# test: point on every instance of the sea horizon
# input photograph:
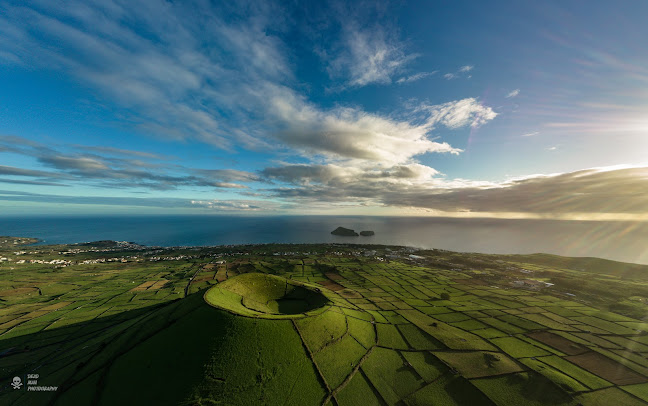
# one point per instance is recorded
(615, 240)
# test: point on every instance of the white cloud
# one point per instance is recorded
(459, 113)
(368, 57)
(234, 205)
(106, 167)
(613, 191)
(461, 72)
(227, 175)
(415, 77)
(339, 174)
(228, 185)
(531, 134)
(513, 93)
(350, 133)
(76, 164)
(173, 76)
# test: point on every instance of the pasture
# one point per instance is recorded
(307, 324)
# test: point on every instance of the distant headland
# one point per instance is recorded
(347, 232)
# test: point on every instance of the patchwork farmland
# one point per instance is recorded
(315, 324)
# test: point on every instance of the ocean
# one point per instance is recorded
(622, 241)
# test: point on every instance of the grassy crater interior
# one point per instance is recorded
(268, 296)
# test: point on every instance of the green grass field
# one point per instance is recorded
(478, 364)
(311, 325)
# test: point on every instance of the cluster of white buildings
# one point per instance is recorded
(103, 260)
(60, 262)
(176, 258)
(531, 284)
(289, 253)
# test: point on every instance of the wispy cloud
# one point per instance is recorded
(14, 196)
(227, 206)
(531, 134)
(121, 152)
(585, 191)
(164, 73)
(233, 205)
(30, 182)
(463, 71)
(415, 77)
(512, 93)
(12, 171)
(81, 164)
(369, 56)
(108, 171)
(459, 113)
(230, 175)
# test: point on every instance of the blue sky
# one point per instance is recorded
(500, 109)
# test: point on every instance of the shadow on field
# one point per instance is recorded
(152, 355)
(537, 388)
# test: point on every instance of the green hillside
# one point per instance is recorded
(587, 264)
(267, 296)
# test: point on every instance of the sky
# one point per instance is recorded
(503, 109)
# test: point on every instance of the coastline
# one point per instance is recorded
(621, 241)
